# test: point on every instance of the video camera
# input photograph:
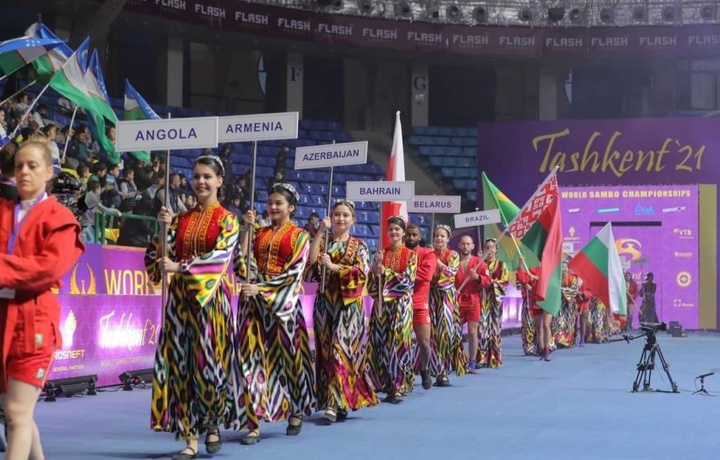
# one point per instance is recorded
(66, 184)
(653, 327)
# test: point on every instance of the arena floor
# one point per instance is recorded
(579, 405)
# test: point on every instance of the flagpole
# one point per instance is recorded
(323, 270)
(67, 139)
(165, 231)
(30, 109)
(249, 229)
(18, 91)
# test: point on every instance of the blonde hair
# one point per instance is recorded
(41, 143)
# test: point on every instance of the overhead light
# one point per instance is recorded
(525, 15)
(453, 12)
(607, 15)
(707, 12)
(480, 15)
(403, 10)
(556, 13)
(638, 14)
(668, 14)
(130, 378)
(70, 387)
(577, 15)
(365, 6)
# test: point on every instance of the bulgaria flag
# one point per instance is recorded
(493, 198)
(136, 108)
(538, 227)
(18, 52)
(395, 172)
(598, 265)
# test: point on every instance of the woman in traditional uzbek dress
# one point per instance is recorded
(490, 348)
(339, 315)
(278, 376)
(196, 372)
(564, 324)
(444, 311)
(391, 285)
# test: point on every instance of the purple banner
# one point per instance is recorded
(655, 229)
(517, 156)
(308, 26)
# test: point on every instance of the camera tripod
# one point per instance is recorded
(646, 366)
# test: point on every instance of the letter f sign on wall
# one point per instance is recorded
(295, 73)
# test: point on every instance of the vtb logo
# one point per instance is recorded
(683, 232)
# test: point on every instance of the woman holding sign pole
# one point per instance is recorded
(339, 316)
(489, 354)
(274, 343)
(391, 285)
(196, 374)
(447, 334)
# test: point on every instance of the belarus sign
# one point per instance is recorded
(166, 134)
(320, 156)
(380, 190)
(261, 127)
(438, 204)
(475, 219)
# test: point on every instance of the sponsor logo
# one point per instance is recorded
(684, 279)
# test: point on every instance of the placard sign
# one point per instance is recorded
(475, 219)
(380, 190)
(261, 127)
(323, 156)
(438, 204)
(166, 134)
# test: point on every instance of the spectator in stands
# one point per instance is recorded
(128, 191)
(8, 189)
(137, 232)
(235, 206)
(77, 149)
(174, 203)
(65, 134)
(21, 106)
(38, 117)
(3, 127)
(184, 186)
(229, 178)
(89, 204)
(191, 201)
(50, 131)
(99, 173)
(264, 220)
(278, 179)
(33, 258)
(197, 377)
(111, 191)
(312, 224)
(83, 172)
(281, 160)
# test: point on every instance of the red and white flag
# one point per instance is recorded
(395, 172)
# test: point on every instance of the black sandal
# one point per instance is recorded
(294, 430)
(213, 447)
(252, 438)
(183, 455)
(342, 415)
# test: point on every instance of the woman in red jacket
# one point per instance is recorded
(39, 243)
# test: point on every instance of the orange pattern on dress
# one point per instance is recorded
(198, 230)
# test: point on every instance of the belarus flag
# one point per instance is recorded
(598, 265)
(395, 172)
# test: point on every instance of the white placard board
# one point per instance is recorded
(166, 134)
(260, 127)
(380, 190)
(437, 204)
(324, 156)
(475, 219)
